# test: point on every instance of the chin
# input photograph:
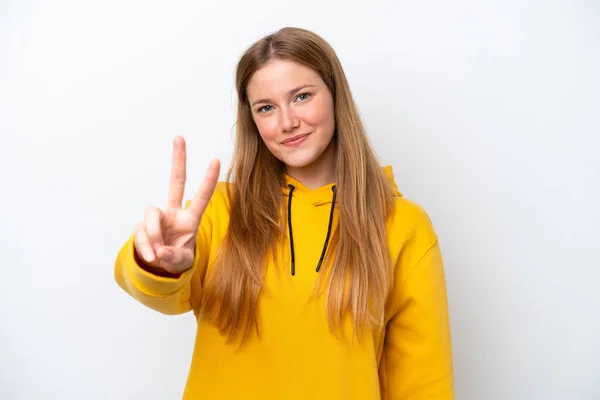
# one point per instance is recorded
(300, 160)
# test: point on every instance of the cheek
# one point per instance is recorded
(325, 118)
(330, 119)
(321, 113)
(266, 128)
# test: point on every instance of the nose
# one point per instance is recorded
(288, 120)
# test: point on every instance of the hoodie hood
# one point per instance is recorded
(323, 195)
(389, 172)
(316, 197)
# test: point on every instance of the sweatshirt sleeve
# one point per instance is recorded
(417, 350)
(165, 294)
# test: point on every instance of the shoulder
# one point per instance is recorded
(409, 218)
(411, 232)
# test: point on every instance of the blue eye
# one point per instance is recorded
(303, 96)
(264, 109)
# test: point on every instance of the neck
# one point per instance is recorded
(317, 174)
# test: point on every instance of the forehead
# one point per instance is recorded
(278, 77)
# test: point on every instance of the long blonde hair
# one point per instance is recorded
(359, 279)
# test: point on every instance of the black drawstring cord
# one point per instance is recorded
(290, 229)
(293, 255)
(328, 230)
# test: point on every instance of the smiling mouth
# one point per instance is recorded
(295, 139)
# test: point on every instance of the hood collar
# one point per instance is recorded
(317, 197)
(322, 195)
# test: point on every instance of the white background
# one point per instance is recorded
(489, 112)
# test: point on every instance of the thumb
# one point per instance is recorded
(166, 255)
(174, 259)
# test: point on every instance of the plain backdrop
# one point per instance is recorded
(488, 111)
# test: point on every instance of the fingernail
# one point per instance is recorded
(149, 256)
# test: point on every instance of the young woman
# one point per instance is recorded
(310, 276)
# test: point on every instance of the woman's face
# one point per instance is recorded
(294, 112)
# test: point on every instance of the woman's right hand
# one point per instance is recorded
(165, 240)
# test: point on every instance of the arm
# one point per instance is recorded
(417, 358)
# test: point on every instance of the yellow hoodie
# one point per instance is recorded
(296, 356)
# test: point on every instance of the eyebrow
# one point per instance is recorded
(290, 92)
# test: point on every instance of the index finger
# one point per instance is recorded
(177, 178)
(206, 189)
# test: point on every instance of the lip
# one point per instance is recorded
(296, 140)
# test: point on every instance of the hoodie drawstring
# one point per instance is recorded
(293, 256)
(290, 229)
